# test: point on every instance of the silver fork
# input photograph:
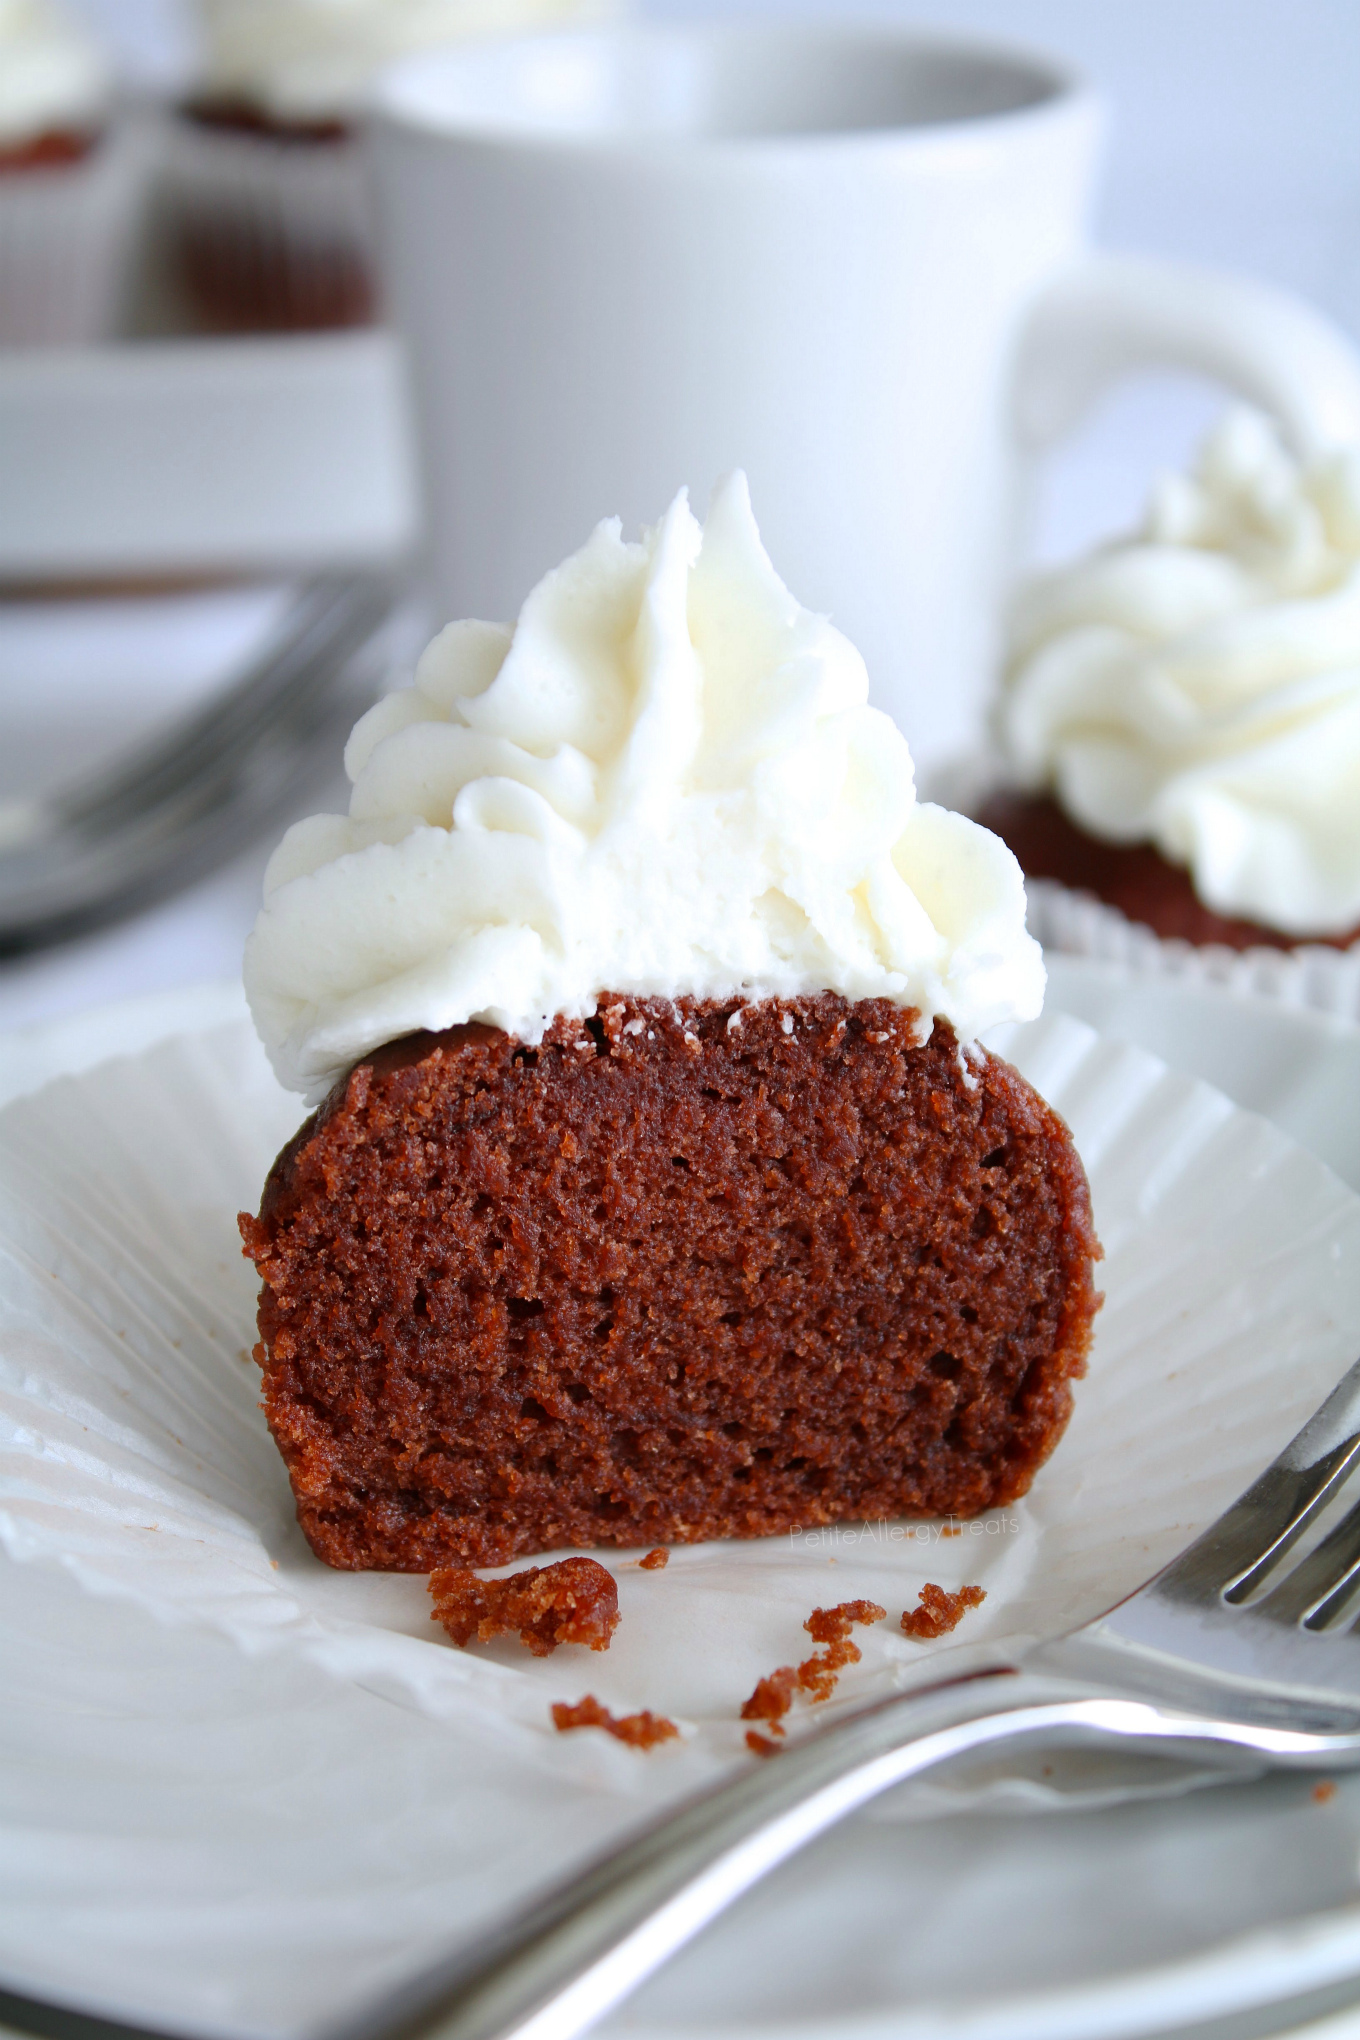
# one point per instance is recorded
(1232, 1655)
(145, 826)
(1242, 1652)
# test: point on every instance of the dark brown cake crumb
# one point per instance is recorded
(654, 1560)
(817, 1675)
(574, 1601)
(832, 1625)
(642, 1731)
(1134, 877)
(940, 1612)
(660, 1279)
(772, 1698)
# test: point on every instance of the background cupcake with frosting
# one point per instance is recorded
(66, 182)
(271, 224)
(1179, 726)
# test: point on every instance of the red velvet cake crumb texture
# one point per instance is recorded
(654, 1561)
(772, 1697)
(574, 1601)
(644, 1731)
(939, 1612)
(817, 1675)
(675, 1273)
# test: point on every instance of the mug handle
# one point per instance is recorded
(1110, 315)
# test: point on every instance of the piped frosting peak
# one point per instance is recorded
(666, 779)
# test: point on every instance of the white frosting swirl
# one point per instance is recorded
(53, 78)
(314, 59)
(665, 780)
(1198, 686)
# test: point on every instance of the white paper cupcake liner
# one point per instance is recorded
(251, 1793)
(133, 1453)
(1077, 924)
(65, 233)
(268, 232)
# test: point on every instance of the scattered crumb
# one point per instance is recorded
(1323, 1791)
(642, 1731)
(772, 1698)
(654, 1560)
(951, 1530)
(574, 1601)
(760, 1745)
(817, 1675)
(940, 1612)
(832, 1625)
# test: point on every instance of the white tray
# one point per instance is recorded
(195, 456)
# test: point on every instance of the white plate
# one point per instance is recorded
(248, 1790)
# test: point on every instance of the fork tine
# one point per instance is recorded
(194, 794)
(1248, 1541)
(327, 617)
(1321, 1583)
(1298, 1498)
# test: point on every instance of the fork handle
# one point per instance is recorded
(567, 1961)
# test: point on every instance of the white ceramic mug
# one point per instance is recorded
(849, 260)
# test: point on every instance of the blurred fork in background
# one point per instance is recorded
(211, 782)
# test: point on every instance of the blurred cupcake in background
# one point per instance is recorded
(272, 226)
(1179, 728)
(65, 185)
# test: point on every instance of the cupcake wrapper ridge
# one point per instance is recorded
(269, 234)
(1077, 924)
(65, 236)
